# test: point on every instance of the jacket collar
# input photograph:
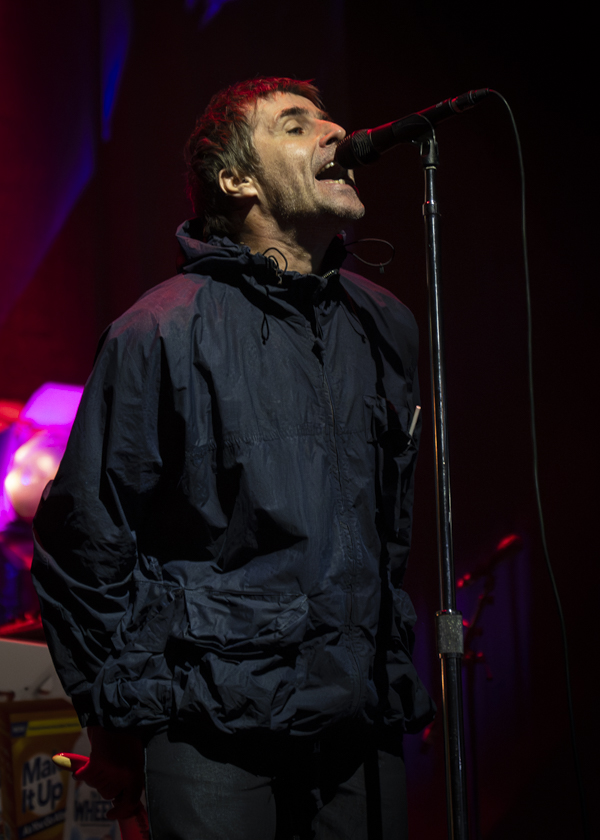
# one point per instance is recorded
(227, 261)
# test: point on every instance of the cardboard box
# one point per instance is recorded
(34, 789)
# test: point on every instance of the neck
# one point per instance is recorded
(303, 249)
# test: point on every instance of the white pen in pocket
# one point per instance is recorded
(414, 420)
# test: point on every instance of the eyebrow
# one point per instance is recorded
(297, 111)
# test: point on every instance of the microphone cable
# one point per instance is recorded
(540, 513)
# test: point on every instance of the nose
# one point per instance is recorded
(332, 133)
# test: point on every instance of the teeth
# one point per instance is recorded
(327, 166)
(323, 169)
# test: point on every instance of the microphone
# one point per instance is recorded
(366, 145)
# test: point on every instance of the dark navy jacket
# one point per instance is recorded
(229, 528)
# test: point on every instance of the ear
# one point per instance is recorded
(236, 185)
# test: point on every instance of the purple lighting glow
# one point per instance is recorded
(32, 448)
(116, 19)
(52, 405)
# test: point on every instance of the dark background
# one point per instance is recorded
(97, 101)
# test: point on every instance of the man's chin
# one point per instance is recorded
(345, 203)
(350, 211)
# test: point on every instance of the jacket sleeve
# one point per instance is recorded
(85, 547)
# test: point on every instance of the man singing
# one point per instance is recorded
(220, 557)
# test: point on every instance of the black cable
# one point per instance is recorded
(274, 263)
(379, 265)
(582, 802)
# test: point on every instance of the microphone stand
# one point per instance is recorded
(449, 626)
(364, 147)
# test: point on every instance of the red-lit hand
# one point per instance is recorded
(115, 769)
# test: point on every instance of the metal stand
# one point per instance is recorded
(448, 618)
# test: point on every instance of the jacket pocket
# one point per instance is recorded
(241, 624)
(153, 610)
(394, 450)
(384, 426)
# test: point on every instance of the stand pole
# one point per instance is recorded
(448, 618)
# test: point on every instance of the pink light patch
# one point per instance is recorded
(53, 404)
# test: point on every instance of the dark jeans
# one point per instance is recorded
(219, 787)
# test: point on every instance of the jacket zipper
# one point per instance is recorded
(356, 705)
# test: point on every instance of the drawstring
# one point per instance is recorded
(273, 263)
(264, 329)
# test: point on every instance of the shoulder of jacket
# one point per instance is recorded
(170, 303)
(375, 298)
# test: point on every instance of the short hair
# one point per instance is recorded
(222, 139)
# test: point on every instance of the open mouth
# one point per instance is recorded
(333, 173)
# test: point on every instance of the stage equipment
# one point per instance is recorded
(448, 618)
(364, 147)
(507, 547)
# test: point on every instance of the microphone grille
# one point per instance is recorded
(356, 149)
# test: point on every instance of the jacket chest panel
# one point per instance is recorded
(290, 382)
